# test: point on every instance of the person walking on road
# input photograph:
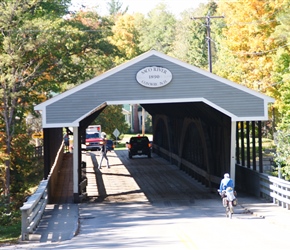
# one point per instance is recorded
(104, 151)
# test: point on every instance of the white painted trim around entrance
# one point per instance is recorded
(233, 152)
(75, 161)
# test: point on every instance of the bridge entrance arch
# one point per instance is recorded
(195, 113)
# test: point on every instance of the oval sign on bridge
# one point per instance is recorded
(154, 77)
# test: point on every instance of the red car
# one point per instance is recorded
(93, 141)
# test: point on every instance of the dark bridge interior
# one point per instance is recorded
(193, 136)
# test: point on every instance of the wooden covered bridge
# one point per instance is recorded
(199, 119)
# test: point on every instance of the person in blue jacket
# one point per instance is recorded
(226, 182)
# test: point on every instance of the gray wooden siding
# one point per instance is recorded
(122, 86)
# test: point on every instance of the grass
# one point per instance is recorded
(120, 146)
(10, 233)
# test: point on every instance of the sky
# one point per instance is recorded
(144, 6)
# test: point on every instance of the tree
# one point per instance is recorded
(158, 30)
(112, 118)
(282, 158)
(280, 90)
(126, 38)
(42, 53)
(190, 44)
(94, 53)
(20, 65)
(115, 6)
(246, 46)
(281, 74)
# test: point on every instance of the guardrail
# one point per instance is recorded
(277, 189)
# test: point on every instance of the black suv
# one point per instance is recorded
(139, 145)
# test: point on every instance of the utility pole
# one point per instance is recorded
(207, 18)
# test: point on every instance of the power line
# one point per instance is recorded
(251, 53)
(208, 18)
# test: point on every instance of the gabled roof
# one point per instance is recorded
(119, 85)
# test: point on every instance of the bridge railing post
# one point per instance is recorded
(24, 225)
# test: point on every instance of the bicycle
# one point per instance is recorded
(229, 201)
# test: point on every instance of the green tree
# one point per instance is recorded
(115, 7)
(93, 53)
(158, 30)
(42, 53)
(112, 118)
(20, 39)
(282, 158)
(281, 74)
(190, 44)
(280, 90)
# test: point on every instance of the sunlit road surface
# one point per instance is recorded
(200, 226)
(150, 204)
(142, 226)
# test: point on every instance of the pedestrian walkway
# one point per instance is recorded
(63, 192)
(60, 222)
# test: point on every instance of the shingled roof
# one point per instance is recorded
(188, 84)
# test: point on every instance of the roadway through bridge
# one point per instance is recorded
(141, 179)
(143, 203)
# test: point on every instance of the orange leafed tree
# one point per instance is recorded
(126, 37)
(246, 46)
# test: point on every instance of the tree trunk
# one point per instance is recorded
(7, 178)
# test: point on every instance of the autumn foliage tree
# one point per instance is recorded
(126, 37)
(24, 53)
(246, 45)
(253, 51)
(41, 53)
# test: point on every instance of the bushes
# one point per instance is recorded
(10, 219)
(9, 211)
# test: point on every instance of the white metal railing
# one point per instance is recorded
(276, 189)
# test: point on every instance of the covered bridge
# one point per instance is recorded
(196, 115)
